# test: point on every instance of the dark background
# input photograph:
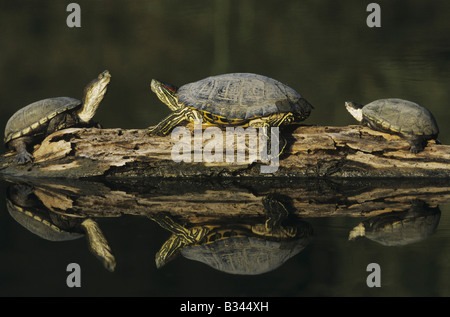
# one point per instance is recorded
(322, 48)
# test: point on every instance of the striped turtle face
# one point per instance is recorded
(167, 93)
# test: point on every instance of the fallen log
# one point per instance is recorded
(312, 151)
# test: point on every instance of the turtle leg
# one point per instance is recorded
(60, 122)
(275, 120)
(171, 121)
(416, 142)
(20, 146)
(276, 212)
(272, 138)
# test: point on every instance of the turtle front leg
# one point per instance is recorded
(171, 121)
(20, 146)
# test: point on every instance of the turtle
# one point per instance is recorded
(399, 228)
(243, 248)
(25, 207)
(411, 121)
(246, 254)
(29, 125)
(235, 99)
(239, 248)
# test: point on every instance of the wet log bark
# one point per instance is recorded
(313, 151)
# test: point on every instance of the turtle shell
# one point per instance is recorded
(242, 96)
(400, 116)
(401, 227)
(30, 119)
(39, 222)
(245, 255)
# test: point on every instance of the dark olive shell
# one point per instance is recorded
(401, 116)
(242, 96)
(30, 119)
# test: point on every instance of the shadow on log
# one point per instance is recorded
(313, 151)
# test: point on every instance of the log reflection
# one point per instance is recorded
(200, 216)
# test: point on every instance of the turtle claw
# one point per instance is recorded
(416, 148)
(151, 131)
(155, 131)
(23, 158)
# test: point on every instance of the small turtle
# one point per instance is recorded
(32, 123)
(237, 99)
(411, 121)
(27, 209)
(399, 228)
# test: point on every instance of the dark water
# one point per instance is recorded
(325, 263)
(324, 49)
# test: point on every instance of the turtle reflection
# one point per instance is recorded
(400, 227)
(244, 247)
(26, 204)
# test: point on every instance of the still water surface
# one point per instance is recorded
(323, 49)
(412, 249)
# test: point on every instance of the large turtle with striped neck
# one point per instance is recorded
(236, 99)
(30, 125)
(244, 249)
(247, 247)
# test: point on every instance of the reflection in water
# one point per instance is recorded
(32, 208)
(400, 227)
(246, 247)
(243, 252)
(243, 227)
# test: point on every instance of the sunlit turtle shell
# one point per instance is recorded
(241, 96)
(32, 119)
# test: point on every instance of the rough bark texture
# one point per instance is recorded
(197, 201)
(313, 151)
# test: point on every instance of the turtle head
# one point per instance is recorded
(170, 250)
(167, 93)
(355, 110)
(93, 95)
